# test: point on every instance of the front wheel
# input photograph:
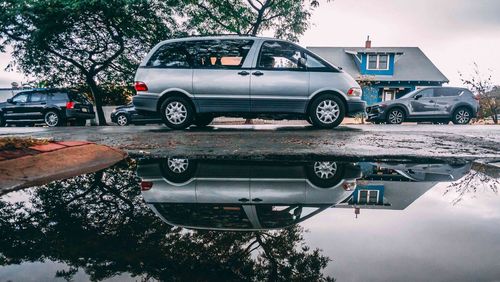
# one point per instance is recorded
(177, 113)
(462, 116)
(395, 116)
(122, 120)
(327, 111)
(52, 119)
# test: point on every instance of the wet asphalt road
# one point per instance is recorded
(411, 141)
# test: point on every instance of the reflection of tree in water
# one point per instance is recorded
(99, 222)
(480, 177)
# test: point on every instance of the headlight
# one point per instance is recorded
(355, 92)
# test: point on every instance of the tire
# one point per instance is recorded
(203, 120)
(181, 113)
(2, 121)
(308, 119)
(52, 119)
(122, 120)
(178, 170)
(327, 111)
(395, 116)
(325, 174)
(462, 116)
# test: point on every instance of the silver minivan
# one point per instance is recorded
(193, 80)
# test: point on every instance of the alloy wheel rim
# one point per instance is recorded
(178, 165)
(463, 116)
(122, 120)
(51, 119)
(396, 117)
(328, 111)
(325, 170)
(176, 112)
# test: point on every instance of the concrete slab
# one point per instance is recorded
(48, 147)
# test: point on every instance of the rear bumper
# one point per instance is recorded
(145, 102)
(355, 107)
(73, 114)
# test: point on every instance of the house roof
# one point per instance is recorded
(411, 63)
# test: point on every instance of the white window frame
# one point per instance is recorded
(378, 61)
(368, 192)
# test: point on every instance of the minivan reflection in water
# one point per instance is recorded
(258, 195)
(248, 195)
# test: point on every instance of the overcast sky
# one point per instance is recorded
(453, 33)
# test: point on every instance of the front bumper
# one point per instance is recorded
(375, 113)
(355, 107)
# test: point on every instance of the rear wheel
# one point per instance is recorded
(178, 170)
(462, 116)
(52, 119)
(327, 111)
(177, 112)
(395, 116)
(325, 174)
(203, 120)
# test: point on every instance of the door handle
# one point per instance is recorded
(244, 200)
(258, 73)
(243, 73)
(256, 200)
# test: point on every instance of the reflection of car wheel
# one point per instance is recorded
(327, 111)
(395, 116)
(203, 120)
(52, 119)
(2, 121)
(462, 116)
(325, 174)
(122, 120)
(177, 112)
(178, 170)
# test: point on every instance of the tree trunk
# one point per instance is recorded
(96, 93)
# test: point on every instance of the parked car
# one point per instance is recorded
(434, 104)
(54, 107)
(125, 115)
(249, 195)
(193, 80)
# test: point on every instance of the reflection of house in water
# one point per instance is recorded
(396, 186)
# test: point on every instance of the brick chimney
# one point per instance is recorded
(368, 43)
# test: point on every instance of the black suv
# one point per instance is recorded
(54, 107)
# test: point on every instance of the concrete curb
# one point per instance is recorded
(55, 161)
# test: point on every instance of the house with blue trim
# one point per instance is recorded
(385, 73)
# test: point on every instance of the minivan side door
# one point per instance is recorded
(280, 81)
(221, 83)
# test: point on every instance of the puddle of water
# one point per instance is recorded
(181, 219)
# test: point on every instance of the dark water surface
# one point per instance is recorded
(197, 220)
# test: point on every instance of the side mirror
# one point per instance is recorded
(302, 62)
(418, 96)
(10, 101)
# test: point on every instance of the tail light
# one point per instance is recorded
(355, 91)
(140, 86)
(146, 185)
(70, 105)
(349, 186)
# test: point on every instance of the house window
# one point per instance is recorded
(378, 62)
(368, 197)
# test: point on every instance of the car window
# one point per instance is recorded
(280, 55)
(226, 53)
(20, 98)
(427, 93)
(38, 97)
(447, 92)
(170, 55)
(58, 96)
(314, 64)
